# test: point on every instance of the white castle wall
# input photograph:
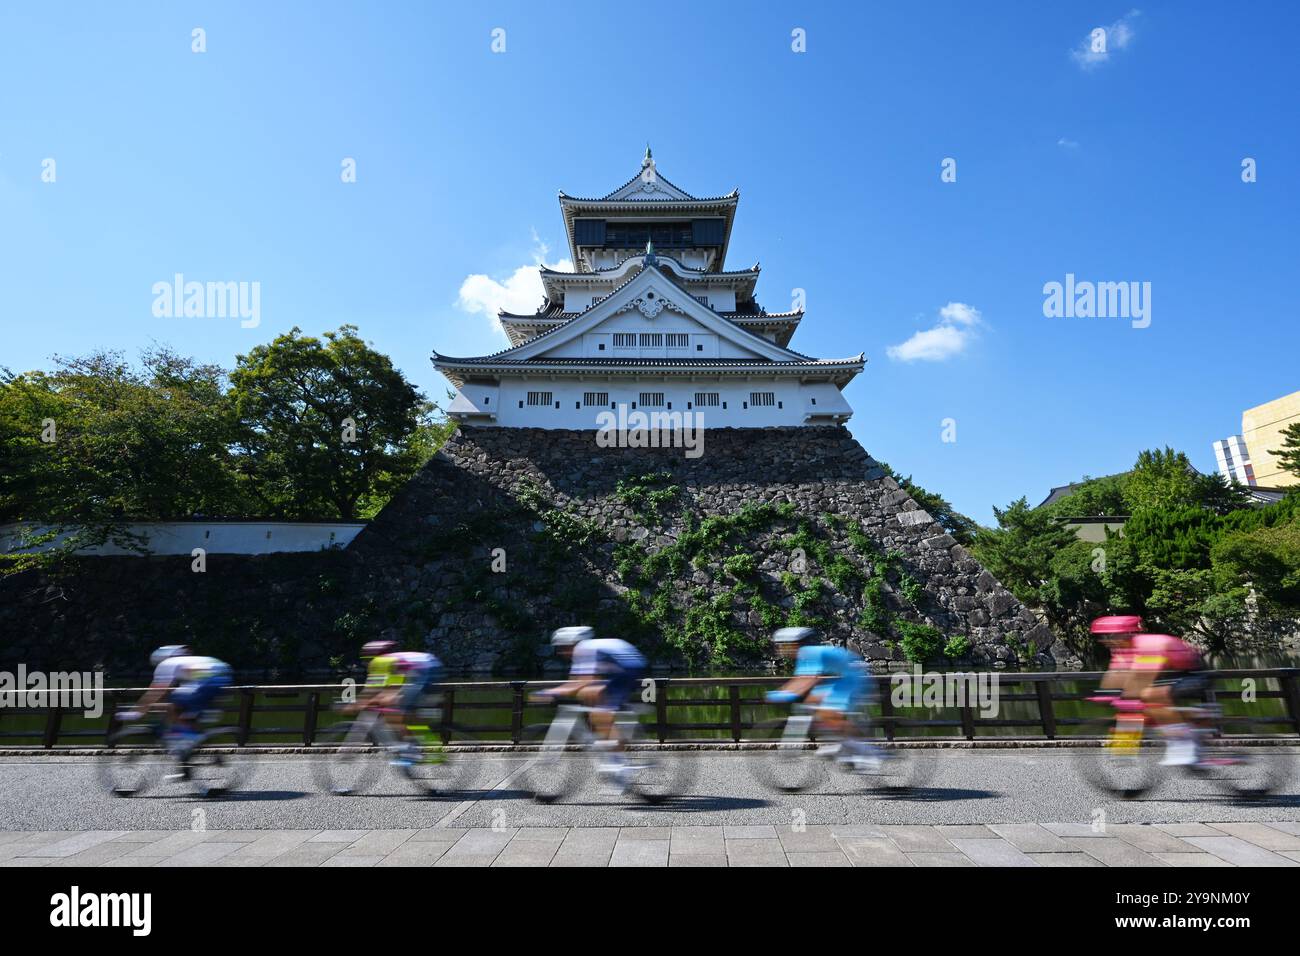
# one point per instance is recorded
(215, 537)
(793, 402)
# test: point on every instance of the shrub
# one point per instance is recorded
(921, 642)
(958, 646)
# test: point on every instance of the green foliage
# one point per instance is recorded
(647, 495)
(920, 642)
(1288, 455)
(741, 566)
(1162, 478)
(958, 646)
(1187, 559)
(99, 441)
(324, 424)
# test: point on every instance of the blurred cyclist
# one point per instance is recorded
(604, 674)
(188, 684)
(836, 683)
(395, 682)
(1156, 672)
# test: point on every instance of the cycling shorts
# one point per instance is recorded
(197, 696)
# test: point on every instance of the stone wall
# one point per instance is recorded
(509, 533)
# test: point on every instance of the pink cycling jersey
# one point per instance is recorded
(1160, 652)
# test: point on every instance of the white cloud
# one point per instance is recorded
(961, 313)
(521, 291)
(950, 337)
(1119, 36)
(1067, 143)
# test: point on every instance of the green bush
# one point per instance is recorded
(921, 642)
(741, 566)
(958, 646)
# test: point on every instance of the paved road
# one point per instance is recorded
(1023, 844)
(967, 787)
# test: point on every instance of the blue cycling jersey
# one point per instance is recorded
(825, 660)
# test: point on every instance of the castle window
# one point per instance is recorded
(760, 399)
(699, 347)
(707, 399)
(624, 340)
(678, 340)
(652, 340)
(595, 398)
(540, 398)
(652, 399)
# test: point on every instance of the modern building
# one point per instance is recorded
(652, 320)
(1262, 428)
(1234, 460)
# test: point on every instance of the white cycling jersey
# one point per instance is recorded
(191, 667)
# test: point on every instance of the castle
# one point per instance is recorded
(650, 320)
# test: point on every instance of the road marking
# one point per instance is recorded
(464, 805)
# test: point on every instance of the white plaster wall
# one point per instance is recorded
(219, 537)
(796, 401)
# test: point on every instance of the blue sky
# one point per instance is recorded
(225, 166)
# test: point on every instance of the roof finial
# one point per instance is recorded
(649, 157)
(650, 252)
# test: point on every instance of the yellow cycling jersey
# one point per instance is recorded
(384, 672)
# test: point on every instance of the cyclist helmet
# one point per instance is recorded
(570, 636)
(797, 635)
(167, 651)
(378, 648)
(1116, 624)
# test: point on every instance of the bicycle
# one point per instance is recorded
(359, 747)
(1127, 763)
(800, 758)
(567, 745)
(209, 765)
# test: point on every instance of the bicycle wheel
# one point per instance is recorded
(792, 765)
(1249, 772)
(136, 764)
(554, 771)
(215, 767)
(356, 761)
(656, 776)
(440, 769)
(895, 768)
(1121, 766)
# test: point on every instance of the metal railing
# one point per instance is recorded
(502, 707)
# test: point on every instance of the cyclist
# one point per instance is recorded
(836, 683)
(603, 674)
(185, 685)
(1156, 672)
(395, 682)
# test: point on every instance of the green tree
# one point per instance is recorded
(1161, 479)
(325, 423)
(99, 442)
(1288, 455)
(1265, 558)
(1042, 562)
(1094, 497)
(1189, 602)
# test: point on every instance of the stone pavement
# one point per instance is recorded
(1015, 844)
